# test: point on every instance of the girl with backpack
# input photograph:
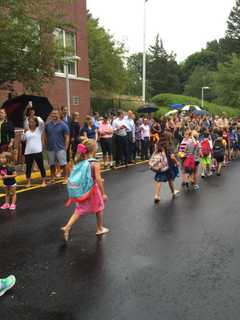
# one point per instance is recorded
(165, 165)
(219, 147)
(85, 188)
(206, 150)
(182, 156)
(192, 160)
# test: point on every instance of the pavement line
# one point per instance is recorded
(2, 195)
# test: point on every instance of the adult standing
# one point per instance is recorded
(145, 139)
(120, 130)
(106, 137)
(34, 148)
(65, 116)
(75, 130)
(129, 119)
(89, 130)
(57, 136)
(7, 134)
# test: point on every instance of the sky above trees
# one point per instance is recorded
(185, 26)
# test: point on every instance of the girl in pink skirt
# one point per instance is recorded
(92, 201)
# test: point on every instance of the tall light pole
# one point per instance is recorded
(66, 60)
(144, 53)
(204, 88)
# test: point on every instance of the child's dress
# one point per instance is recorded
(94, 203)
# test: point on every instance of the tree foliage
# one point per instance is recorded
(227, 82)
(28, 51)
(106, 60)
(201, 77)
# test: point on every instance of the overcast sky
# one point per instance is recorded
(184, 25)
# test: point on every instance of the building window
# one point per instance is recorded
(66, 40)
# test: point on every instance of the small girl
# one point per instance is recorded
(168, 172)
(93, 200)
(8, 175)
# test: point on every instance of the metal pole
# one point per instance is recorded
(202, 98)
(144, 55)
(68, 91)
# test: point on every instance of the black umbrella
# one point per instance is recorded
(147, 108)
(15, 108)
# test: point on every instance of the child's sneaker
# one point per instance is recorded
(6, 284)
(175, 193)
(196, 187)
(5, 206)
(12, 207)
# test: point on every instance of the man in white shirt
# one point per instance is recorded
(145, 139)
(130, 135)
(120, 130)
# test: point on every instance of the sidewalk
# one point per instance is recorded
(21, 178)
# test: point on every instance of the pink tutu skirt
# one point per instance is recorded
(93, 204)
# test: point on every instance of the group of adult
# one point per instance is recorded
(123, 137)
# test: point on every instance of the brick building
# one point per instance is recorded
(78, 70)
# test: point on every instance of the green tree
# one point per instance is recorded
(205, 58)
(233, 23)
(227, 82)
(28, 51)
(200, 77)
(162, 70)
(106, 60)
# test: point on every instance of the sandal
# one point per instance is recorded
(65, 235)
(103, 231)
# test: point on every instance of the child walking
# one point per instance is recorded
(8, 175)
(164, 163)
(86, 189)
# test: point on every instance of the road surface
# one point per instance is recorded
(178, 261)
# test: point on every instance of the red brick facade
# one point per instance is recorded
(79, 87)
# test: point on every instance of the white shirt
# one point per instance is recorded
(117, 123)
(34, 139)
(145, 131)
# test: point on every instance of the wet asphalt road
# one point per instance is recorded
(180, 261)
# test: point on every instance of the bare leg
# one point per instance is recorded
(66, 229)
(53, 172)
(64, 169)
(157, 191)
(14, 196)
(100, 229)
(28, 183)
(7, 195)
(171, 186)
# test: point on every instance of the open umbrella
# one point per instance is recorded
(147, 108)
(200, 112)
(171, 113)
(15, 108)
(190, 107)
(176, 106)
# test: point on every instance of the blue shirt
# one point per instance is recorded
(55, 135)
(91, 132)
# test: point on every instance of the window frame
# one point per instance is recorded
(64, 74)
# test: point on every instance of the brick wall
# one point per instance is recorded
(56, 91)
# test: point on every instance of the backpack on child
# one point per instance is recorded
(218, 149)
(80, 182)
(158, 162)
(205, 148)
(189, 164)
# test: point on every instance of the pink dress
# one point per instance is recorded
(94, 203)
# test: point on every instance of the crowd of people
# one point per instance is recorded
(186, 145)
(197, 145)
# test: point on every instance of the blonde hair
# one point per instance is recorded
(90, 144)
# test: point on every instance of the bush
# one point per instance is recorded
(166, 99)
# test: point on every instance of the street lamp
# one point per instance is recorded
(144, 54)
(66, 61)
(204, 88)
